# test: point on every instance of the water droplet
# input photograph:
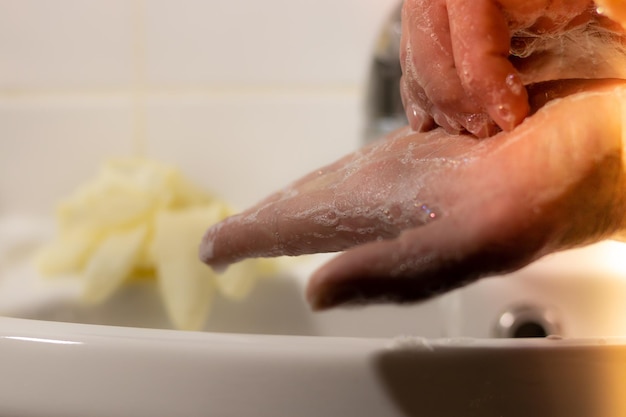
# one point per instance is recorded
(514, 83)
(428, 213)
(600, 10)
(504, 112)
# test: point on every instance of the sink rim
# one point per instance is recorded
(91, 370)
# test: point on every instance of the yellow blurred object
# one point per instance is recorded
(186, 285)
(112, 263)
(139, 216)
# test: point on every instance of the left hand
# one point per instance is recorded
(422, 213)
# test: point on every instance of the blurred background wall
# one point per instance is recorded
(243, 95)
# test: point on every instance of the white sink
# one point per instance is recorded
(63, 369)
(270, 356)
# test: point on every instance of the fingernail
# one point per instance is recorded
(416, 117)
(480, 125)
(503, 115)
(451, 126)
(513, 108)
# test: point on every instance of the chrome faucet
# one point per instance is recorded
(384, 110)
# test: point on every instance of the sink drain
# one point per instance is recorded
(527, 321)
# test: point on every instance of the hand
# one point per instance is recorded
(421, 213)
(461, 59)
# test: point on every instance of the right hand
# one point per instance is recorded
(455, 57)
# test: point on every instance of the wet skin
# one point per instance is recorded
(418, 214)
(465, 63)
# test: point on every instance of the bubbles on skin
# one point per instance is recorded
(328, 218)
(514, 83)
(441, 119)
(357, 222)
(598, 47)
(582, 51)
(478, 124)
(408, 157)
(293, 223)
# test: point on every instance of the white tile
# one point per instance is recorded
(50, 145)
(243, 147)
(66, 44)
(251, 42)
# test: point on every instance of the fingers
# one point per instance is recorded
(431, 87)
(480, 42)
(415, 102)
(282, 225)
(564, 187)
(313, 219)
(455, 59)
(297, 220)
(427, 261)
(429, 73)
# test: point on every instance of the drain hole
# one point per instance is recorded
(529, 329)
(528, 321)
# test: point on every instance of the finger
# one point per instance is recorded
(290, 225)
(480, 42)
(328, 210)
(427, 261)
(415, 105)
(564, 187)
(414, 100)
(450, 125)
(373, 193)
(427, 60)
(376, 193)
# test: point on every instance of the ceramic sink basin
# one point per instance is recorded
(270, 356)
(63, 369)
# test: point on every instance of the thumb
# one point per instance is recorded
(429, 260)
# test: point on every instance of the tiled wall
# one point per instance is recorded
(243, 95)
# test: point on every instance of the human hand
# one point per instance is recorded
(422, 213)
(464, 63)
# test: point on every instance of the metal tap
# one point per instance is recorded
(384, 110)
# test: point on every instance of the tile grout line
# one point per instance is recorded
(181, 91)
